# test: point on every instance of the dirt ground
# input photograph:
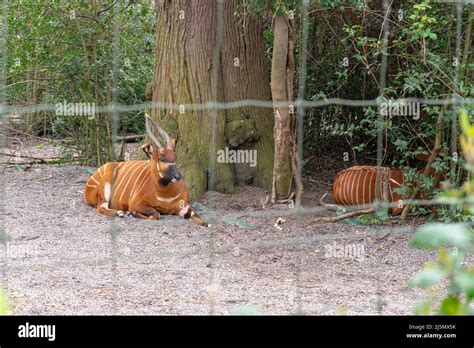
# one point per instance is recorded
(61, 257)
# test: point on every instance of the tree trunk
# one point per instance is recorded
(185, 43)
(245, 76)
(185, 40)
(281, 71)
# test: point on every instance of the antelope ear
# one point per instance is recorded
(173, 144)
(148, 150)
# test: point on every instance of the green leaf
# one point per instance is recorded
(423, 308)
(451, 305)
(465, 283)
(435, 235)
(465, 124)
(427, 278)
(4, 308)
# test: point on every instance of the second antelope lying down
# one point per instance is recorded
(357, 186)
(143, 189)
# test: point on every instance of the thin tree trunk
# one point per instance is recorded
(280, 93)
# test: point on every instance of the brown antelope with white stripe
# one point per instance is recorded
(143, 189)
(357, 185)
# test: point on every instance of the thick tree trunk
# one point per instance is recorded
(281, 92)
(185, 43)
(185, 40)
(245, 76)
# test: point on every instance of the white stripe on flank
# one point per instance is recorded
(91, 185)
(357, 187)
(370, 186)
(136, 181)
(126, 168)
(98, 183)
(346, 188)
(143, 183)
(364, 187)
(343, 187)
(352, 193)
(131, 176)
(167, 200)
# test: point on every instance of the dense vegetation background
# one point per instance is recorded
(67, 50)
(104, 52)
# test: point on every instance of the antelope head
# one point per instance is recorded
(163, 158)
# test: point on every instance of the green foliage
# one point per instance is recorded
(460, 289)
(458, 237)
(4, 308)
(377, 218)
(420, 64)
(64, 51)
(435, 235)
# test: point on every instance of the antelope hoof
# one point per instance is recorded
(120, 213)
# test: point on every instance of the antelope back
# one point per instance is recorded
(357, 185)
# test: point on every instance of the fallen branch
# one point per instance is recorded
(344, 216)
(130, 138)
(329, 206)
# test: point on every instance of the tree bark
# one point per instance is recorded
(185, 40)
(245, 76)
(281, 69)
(185, 43)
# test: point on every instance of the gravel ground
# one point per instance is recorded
(62, 257)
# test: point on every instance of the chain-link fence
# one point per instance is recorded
(299, 242)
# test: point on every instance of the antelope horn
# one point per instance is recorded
(162, 132)
(148, 121)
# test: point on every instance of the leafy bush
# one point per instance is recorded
(458, 237)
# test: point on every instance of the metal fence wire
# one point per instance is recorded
(296, 214)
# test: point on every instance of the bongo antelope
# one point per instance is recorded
(143, 189)
(357, 185)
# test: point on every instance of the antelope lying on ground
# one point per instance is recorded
(143, 189)
(357, 185)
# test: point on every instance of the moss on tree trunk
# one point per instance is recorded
(185, 42)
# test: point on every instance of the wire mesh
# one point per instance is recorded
(298, 214)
